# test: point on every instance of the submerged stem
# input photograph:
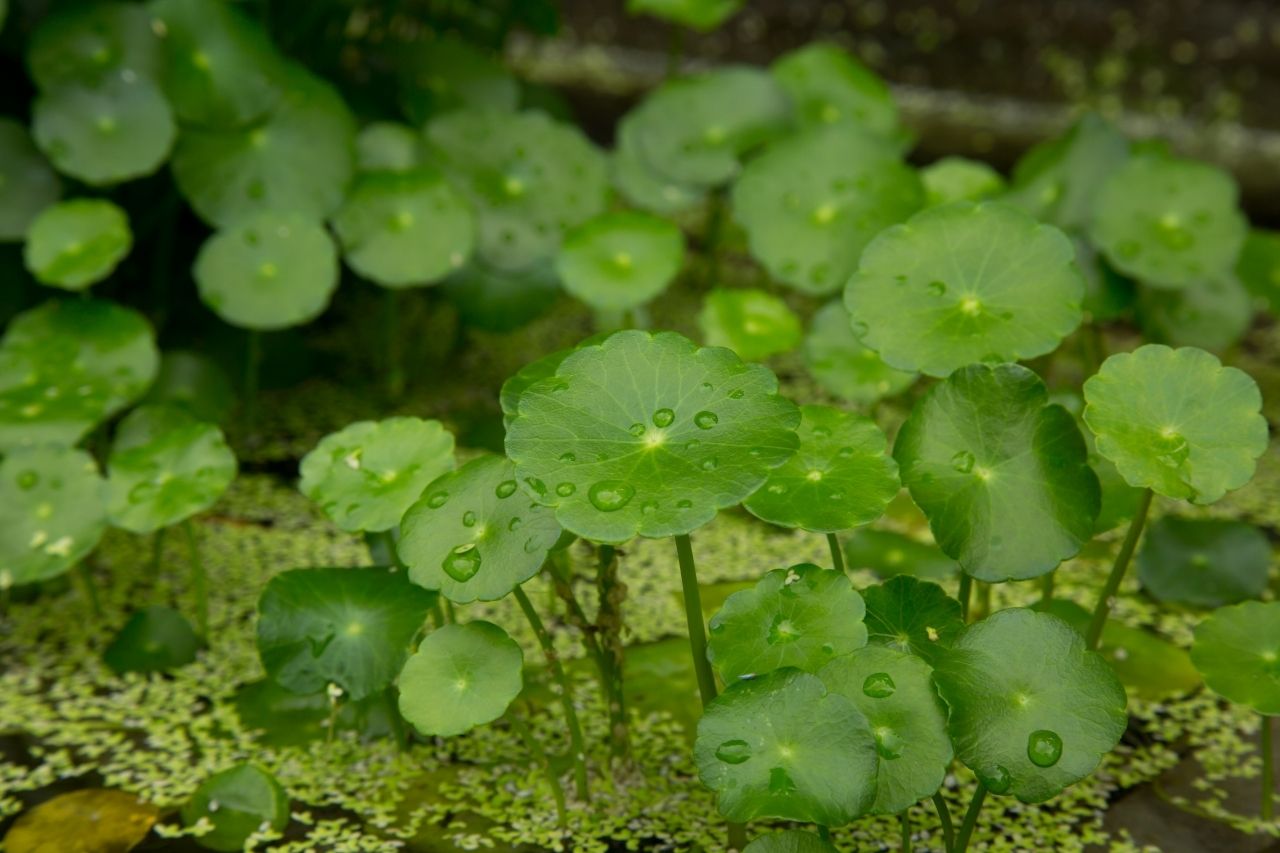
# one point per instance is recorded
(905, 818)
(693, 614)
(966, 585)
(970, 819)
(199, 583)
(944, 818)
(576, 745)
(837, 558)
(1103, 608)
(1268, 769)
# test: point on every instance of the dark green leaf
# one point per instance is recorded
(1204, 562)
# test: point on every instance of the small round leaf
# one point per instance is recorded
(642, 186)
(388, 146)
(75, 243)
(751, 322)
(1204, 562)
(1237, 650)
(449, 73)
(914, 616)
(155, 639)
(55, 512)
(82, 43)
(27, 183)
(829, 86)
(462, 676)
(700, 15)
(1213, 315)
(959, 179)
(1258, 266)
(238, 802)
(619, 261)
(844, 365)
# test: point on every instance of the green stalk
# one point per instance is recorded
(252, 367)
(905, 818)
(199, 582)
(693, 614)
(450, 616)
(90, 588)
(824, 832)
(566, 693)
(712, 237)
(157, 550)
(983, 610)
(391, 332)
(970, 819)
(437, 613)
(737, 837)
(1046, 588)
(837, 558)
(398, 732)
(539, 755)
(944, 818)
(966, 584)
(1103, 608)
(1268, 769)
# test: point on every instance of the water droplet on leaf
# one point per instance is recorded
(879, 685)
(997, 781)
(663, 417)
(888, 743)
(1044, 748)
(505, 489)
(462, 562)
(610, 495)
(963, 461)
(438, 499)
(706, 420)
(468, 519)
(733, 751)
(565, 489)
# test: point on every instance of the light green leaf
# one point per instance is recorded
(462, 676)
(844, 365)
(1236, 649)
(76, 243)
(86, 42)
(959, 179)
(701, 15)
(789, 841)
(912, 616)
(751, 322)
(55, 512)
(1204, 562)
(829, 86)
(1213, 314)
(388, 146)
(621, 260)
(514, 387)
(642, 186)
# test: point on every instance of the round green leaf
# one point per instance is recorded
(496, 299)
(514, 387)
(1031, 709)
(811, 202)
(621, 260)
(890, 554)
(828, 86)
(1212, 314)
(642, 186)
(388, 146)
(844, 365)
(895, 691)
(1236, 649)
(196, 383)
(82, 43)
(694, 129)
(238, 802)
(841, 476)
(1169, 222)
(1204, 562)
(529, 178)
(268, 271)
(165, 466)
(781, 746)
(449, 74)
(1176, 421)
(73, 244)
(474, 534)
(963, 283)
(402, 229)
(462, 676)
(647, 433)
(912, 616)
(751, 322)
(799, 617)
(959, 179)
(1258, 267)
(67, 365)
(365, 475)
(55, 512)
(221, 68)
(298, 159)
(27, 183)
(107, 132)
(155, 639)
(349, 627)
(1002, 474)
(701, 15)
(789, 841)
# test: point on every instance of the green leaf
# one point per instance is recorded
(475, 535)
(27, 183)
(514, 387)
(405, 229)
(55, 512)
(268, 271)
(701, 15)
(959, 179)
(1032, 711)
(155, 639)
(83, 43)
(238, 801)
(1169, 222)
(365, 475)
(694, 130)
(751, 322)
(963, 283)
(828, 85)
(222, 70)
(1204, 562)
(74, 244)
(895, 692)
(845, 366)
(840, 477)
(107, 132)
(447, 73)
(1108, 295)
(621, 260)
(165, 467)
(298, 159)
(495, 299)
(196, 383)
(642, 186)
(462, 676)
(1236, 649)
(890, 554)
(1176, 421)
(349, 627)
(799, 617)
(1258, 266)
(913, 616)
(67, 365)
(649, 434)
(789, 841)
(529, 179)
(1002, 474)
(388, 146)
(812, 201)
(781, 746)
(1212, 315)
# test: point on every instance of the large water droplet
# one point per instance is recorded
(565, 489)
(879, 685)
(1044, 748)
(780, 782)
(514, 524)
(610, 495)
(706, 420)
(462, 562)
(468, 519)
(539, 488)
(963, 461)
(888, 743)
(637, 430)
(568, 457)
(438, 499)
(663, 417)
(733, 751)
(505, 489)
(997, 781)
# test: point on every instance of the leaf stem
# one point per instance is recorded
(1268, 769)
(90, 587)
(566, 693)
(944, 818)
(1103, 608)
(966, 585)
(970, 819)
(199, 581)
(1046, 588)
(398, 733)
(539, 755)
(693, 614)
(905, 818)
(837, 558)
(157, 550)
